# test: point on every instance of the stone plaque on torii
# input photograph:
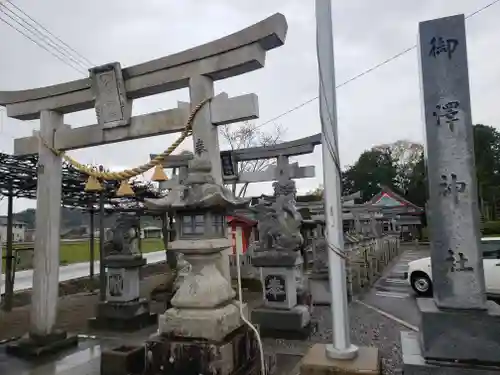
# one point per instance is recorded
(111, 90)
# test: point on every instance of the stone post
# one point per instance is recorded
(458, 325)
(373, 224)
(357, 223)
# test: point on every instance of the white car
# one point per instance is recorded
(419, 273)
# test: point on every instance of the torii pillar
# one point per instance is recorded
(43, 336)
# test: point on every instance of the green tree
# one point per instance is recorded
(373, 169)
(487, 158)
(415, 189)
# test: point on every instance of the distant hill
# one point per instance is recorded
(73, 218)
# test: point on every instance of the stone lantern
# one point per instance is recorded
(204, 318)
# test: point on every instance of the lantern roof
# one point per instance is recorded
(199, 191)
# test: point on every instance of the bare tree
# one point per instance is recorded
(249, 135)
(317, 192)
(405, 155)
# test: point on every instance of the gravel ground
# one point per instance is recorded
(368, 328)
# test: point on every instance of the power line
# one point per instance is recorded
(65, 46)
(42, 37)
(35, 33)
(41, 45)
(369, 70)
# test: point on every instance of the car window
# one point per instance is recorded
(490, 249)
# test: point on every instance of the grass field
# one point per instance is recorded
(79, 251)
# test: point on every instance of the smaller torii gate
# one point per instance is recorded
(229, 160)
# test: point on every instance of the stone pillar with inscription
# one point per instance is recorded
(460, 329)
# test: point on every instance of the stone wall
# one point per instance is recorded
(367, 261)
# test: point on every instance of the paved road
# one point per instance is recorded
(393, 294)
(24, 279)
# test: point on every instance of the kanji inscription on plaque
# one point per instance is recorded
(111, 104)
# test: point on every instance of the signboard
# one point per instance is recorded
(115, 283)
(111, 104)
(275, 288)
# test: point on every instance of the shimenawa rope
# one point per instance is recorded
(129, 173)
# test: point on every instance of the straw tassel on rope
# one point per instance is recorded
(159, 174)
(93, 185)
(125, 190)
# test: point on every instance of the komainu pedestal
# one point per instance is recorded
(285, 312)
(123, 309)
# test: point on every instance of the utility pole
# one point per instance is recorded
(341, 347)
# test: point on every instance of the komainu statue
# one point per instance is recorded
(279, 223)
(123, 238)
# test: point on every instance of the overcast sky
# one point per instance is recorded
(381, 107)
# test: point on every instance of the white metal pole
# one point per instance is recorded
(341, 347)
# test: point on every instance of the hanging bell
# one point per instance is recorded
(159, 174)
(125, 190)
(93, 184)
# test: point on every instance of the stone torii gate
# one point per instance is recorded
(230, 159)
(111, 91)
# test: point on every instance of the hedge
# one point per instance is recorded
(491, 227)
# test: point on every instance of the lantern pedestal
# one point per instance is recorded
(203, 330)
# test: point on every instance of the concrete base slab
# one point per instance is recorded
(458, 335)
(35, 346)
(123, 310)
(209, 324)
(286, 324)
(128, 324)
(415, 364)
(316, 362)
(235, 354)
(303, 333)
(123, 360)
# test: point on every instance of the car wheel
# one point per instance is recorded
(421, 284)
